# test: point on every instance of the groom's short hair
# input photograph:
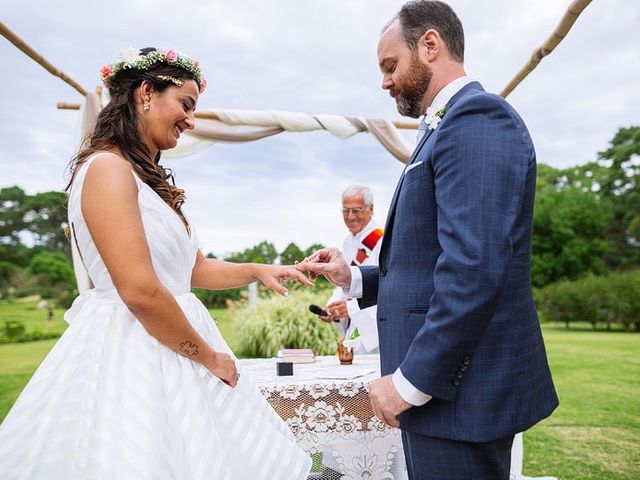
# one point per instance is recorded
(418, 16)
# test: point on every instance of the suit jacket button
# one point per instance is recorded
(463, 368)
(383, 271)
(456, 382)
(459, 375)
(466, 360)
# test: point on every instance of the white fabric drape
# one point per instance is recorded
(337, 125)
(188, 145)
(268, 124)
(89, 112)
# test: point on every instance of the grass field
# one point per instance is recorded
(594, 434)
(34, 318)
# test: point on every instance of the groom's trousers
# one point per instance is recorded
(430, 458)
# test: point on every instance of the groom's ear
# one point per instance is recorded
(430, 45)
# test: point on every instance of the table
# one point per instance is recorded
(326, 406)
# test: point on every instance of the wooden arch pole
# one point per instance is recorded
(31, 53)
(567, 21)
(569, 18)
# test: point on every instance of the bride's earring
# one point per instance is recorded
(146, 106)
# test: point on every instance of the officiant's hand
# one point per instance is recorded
(337, 310)
(386, 402)
(330, 263)
(273, 276)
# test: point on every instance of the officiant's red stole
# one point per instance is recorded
(369, 243)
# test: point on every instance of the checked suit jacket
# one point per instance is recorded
(453, 285)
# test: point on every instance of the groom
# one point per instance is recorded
(462, 357)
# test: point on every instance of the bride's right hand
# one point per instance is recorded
(224, 367)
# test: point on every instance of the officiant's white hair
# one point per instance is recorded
(354, 190)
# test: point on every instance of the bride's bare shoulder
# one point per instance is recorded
(109, 172)
(107, 160)
(103, 160)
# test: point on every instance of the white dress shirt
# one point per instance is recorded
(447, 93)
(405, 388)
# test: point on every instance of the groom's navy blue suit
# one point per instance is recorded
(453, 286)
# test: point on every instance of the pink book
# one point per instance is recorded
(295, 351)
(297, 355)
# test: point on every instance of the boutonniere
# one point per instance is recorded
(432, 118)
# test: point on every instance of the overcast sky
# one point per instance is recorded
(311, 56)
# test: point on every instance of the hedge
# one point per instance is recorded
(599, 300)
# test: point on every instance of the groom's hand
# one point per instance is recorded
(330, 263)
(386, 402)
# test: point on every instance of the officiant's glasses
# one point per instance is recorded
(356, 211)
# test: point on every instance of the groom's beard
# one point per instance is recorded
(412, 89)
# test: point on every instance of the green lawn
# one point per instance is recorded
(594, 434)
(34, 318)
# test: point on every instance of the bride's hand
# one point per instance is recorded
(224, 367)
(273, 276)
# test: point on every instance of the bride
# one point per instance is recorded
(142, 385)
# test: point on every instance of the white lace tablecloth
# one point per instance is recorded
(327, 407)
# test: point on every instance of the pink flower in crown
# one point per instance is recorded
(203, 85)
(170, 56)
(196, 64)
(105, 72)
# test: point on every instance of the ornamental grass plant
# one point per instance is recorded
(277, 322)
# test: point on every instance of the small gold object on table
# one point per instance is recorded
(345, 354)
(347, 346)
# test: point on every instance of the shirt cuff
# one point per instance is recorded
(355, 289)
(353, 307)
(407, 391)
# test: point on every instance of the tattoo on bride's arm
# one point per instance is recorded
(189, 349)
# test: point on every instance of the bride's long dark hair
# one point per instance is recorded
(118, 126)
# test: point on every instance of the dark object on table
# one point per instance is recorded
(284, 368)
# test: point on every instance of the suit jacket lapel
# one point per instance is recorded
(413, 157)
(392, 208)
(394, 199)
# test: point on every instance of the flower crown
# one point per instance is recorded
(131, 58)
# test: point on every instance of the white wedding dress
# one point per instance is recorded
(110, 402)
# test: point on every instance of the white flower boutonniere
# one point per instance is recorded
(434, 116)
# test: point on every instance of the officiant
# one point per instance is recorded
(361, 247)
